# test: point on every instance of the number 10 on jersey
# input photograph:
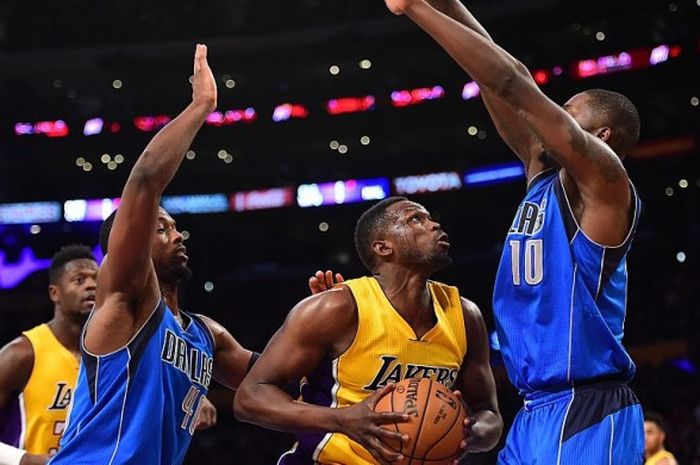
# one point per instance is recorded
(530, 256)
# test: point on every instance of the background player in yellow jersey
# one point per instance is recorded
(351, 343)
(39, 368)
(655, 431)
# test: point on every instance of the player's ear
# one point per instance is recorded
(54, 293)
(382, 248)
(604, 133)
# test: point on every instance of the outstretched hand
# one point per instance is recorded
(203, 82)
(323, 281)
(363, 425)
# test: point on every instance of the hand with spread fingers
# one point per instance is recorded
(321, 281)
(363, 425)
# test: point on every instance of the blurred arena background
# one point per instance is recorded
(325, 105)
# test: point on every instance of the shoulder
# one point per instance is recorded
(16, 362)
(472, 312)
(335, 303)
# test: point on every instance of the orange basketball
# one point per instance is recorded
(437, 421)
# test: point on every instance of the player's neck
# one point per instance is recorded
(649, 454)
(170, 295)
(407, 291)
(67, 330)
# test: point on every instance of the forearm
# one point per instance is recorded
(487, 429)
(493, 68)
(269, 406)
(164, 154)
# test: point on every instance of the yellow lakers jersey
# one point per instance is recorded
(45, 400)
(659, 456)
(385, 350)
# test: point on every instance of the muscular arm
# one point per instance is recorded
(127, 280)
(595, 169)
(231, 360)
(509, 124)
(476, 383)
(16, 364)
(307, 337)
(318, 329)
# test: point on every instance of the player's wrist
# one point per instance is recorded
(10, 455)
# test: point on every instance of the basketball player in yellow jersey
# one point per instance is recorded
(654, 436)
(353, 342)
(38, 369)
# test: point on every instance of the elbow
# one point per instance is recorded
(243, 405)
(505, 87)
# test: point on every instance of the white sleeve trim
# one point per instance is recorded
(10, 455)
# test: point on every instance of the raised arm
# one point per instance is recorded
(597, 172)
(16, 362)
(127, 289)
(477, 386)
(510, 126)
(315, 330)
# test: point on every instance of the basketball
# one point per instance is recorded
(437, 421)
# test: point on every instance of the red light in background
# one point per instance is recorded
(404, 98)
(151, 123)
(541, 76)
(115, 128)
(350, 105)
(676, 51)
(57, 128)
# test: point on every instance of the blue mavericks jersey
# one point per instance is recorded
(138, 405)
(560, 298)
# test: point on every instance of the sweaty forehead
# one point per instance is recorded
(405, 207)
(83, 265)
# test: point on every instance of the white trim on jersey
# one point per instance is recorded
(571, 322)
(334, 404)
(23, 421)
(289, 452)
(563, 425)
(600, 274)
(121, 416)
(612, 435)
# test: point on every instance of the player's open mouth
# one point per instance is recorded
(444, 240)
(182, 252)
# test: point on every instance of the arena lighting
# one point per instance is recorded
(343, 105)
(404, 98)
(11, 275)
(494, 174)
(30, 213)
(85, 210)
(57, 128)
(342, 192)
(471, 90)
(151, 123)
(93, 126)
(262, 199)
(435, 182)
(195, 204)
(288, 111)
(230, 117)
(541, 76)
(628, 60)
